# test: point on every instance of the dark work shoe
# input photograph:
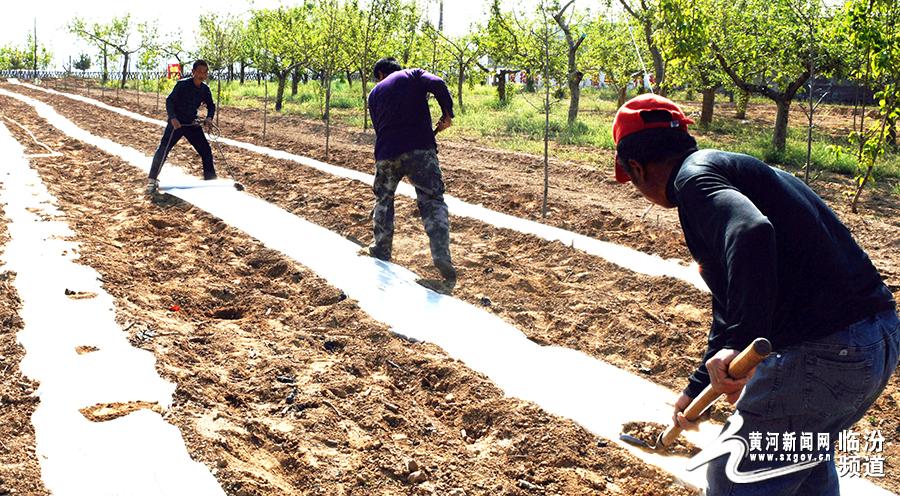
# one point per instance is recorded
(447, 271)
(210, 178)
(374, 252)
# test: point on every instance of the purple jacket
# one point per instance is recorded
(399, 109)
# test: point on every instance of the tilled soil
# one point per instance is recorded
(554, 294)
(284, 385)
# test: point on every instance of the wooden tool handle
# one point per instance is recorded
(754, 353)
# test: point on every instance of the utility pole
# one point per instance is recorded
(440, 28)
(35, 47)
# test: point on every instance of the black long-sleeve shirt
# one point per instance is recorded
(186, 97)
(778, 261)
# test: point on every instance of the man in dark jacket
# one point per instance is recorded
(779, 265)
(405, 147)
(181, 107)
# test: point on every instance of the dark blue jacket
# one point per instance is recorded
(185, 98)
(778, 261)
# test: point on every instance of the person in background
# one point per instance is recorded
(181, 107)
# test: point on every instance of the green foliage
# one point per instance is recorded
(23, 57)
(611, 50)
(871, 34)
(221, 37)
(83, 63)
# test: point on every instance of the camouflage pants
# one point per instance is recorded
(422, 169)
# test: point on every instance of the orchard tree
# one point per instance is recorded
(15, 57)
(219, 45)
(573, 43)
(119, 36)
(83, 62)
(646, 14)
(369, 26)
(409, 38)
(612, 52)
(173, 48)
(281, 41)
(464, 51)
(327, 57)
(513, 40)
(504, 45)
(685, 41)
(871, 30)
(762, 46)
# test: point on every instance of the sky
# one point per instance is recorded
(175, 17)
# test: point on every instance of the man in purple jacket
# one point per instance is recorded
(405, 147)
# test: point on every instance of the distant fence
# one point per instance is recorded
(842, 92)
(222, 75)
(838, 91)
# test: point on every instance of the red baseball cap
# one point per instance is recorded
(630, 119)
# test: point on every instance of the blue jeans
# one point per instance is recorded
(813, 387)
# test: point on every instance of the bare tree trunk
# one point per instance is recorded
(365, 97)
(279, 96)
(892, 134)
(295, 80)
(709, 102)
(218, 100)
(459, 86)
(659, 68)
(501, 87)
(546, 124)
(265, 107)
(242, 72)
(327, 116)
(105, 69)
(575, 95)
(546, 149)
(623, 95)
(779, 138)
(742, 101)
(124, 70)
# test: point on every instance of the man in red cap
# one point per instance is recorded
(779, 265)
